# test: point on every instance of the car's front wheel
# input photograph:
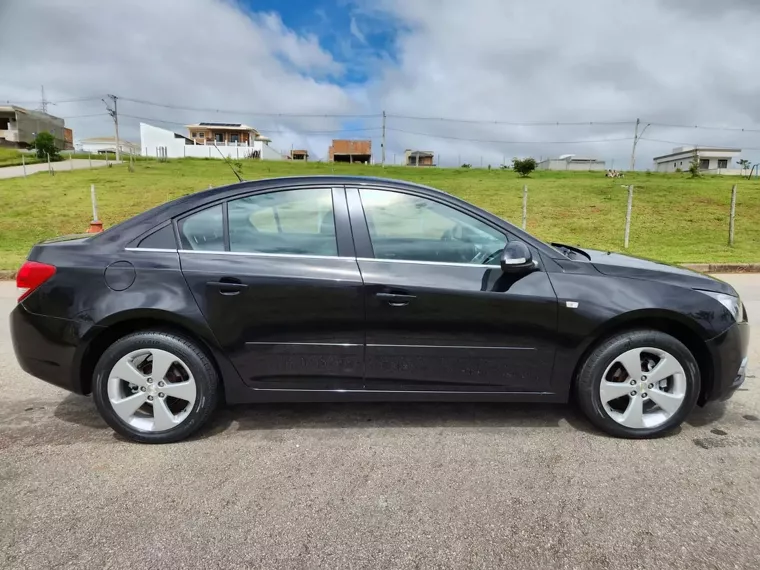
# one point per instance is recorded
(155, 387)
(638, 384)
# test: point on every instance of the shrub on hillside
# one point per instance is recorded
(524, 167)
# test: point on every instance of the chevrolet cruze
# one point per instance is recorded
(348, 289)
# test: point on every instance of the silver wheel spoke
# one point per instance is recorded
(125, 370)
(162, 361)
(613, 390)
(667, 401)
(126, 407)
(665, 368)
(152, 389)
(648, 405)
(631, 361)
(163, 419)
(182, 390)
(633, 417)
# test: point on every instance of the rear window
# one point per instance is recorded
(203, 231)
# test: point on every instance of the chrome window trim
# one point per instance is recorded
(153, 249)
(444, 263)
(262, 254)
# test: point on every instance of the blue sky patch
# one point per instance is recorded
(354, 36)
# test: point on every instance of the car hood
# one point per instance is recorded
(617, 264)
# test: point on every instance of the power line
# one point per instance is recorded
(709, 128)
(693, 144)
(504, 141)
(248, 112)
(263, 129)
(62, 101)
(512, 123)
(85, 116)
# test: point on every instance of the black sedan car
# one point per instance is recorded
(349, 288)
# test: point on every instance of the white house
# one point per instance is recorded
(713, 160)
(155, 141)
(97, 145)
(571, 162)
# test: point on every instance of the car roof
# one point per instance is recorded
(147, 220)
(143, 223)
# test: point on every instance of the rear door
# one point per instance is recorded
(276, 276)
(441, 315)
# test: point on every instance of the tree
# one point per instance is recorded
(745, 164)
(44, 144)
(694, 167)
(523, 167)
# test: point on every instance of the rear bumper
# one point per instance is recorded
(48, 347)
(729, 356)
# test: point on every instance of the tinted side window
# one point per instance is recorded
(406, 227)
(203, 231)
(160, 239)
(288, 221)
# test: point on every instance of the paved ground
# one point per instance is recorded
(76, 164)
(376, 486)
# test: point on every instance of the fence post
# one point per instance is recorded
(525, 207)
(71, 161)
(89, 159)
(628, 215)
(50, 168)
(732, 217)
(23, 164)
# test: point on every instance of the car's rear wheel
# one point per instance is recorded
(638, 384)
(155, 387)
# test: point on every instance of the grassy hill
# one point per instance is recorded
(675, 218)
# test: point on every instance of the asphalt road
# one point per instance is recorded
(64, 165)
(376, 485)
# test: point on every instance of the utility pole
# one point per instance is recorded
(636, 138)
(43, 102)
(382, 144)
(115, 115)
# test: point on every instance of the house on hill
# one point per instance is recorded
(712, 160)
(350, 151)
(418, 158)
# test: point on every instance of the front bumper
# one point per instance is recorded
(49, 348)
(729, 356)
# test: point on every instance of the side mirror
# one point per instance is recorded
(516, 258)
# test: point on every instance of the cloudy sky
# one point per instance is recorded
(466, 79)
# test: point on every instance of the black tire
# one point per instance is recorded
(196, 360)
(605, 353)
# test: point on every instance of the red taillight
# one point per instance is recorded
(31, 275)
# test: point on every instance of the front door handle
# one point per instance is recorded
(395, 299)
(228, 285)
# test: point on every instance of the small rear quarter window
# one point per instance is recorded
(160, 239)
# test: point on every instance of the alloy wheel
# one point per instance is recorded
(151, 390)
(643, 387)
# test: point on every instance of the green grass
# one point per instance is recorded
(675, 218)
(12, 157)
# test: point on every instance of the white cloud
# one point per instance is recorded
(668, 61)
(192, 53)
(356, 32)
(587, 60)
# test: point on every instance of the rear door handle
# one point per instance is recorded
(228, 285)
(395, 299)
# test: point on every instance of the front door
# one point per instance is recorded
(280, 287)
(441, 315)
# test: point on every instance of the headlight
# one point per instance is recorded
(733, 304)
